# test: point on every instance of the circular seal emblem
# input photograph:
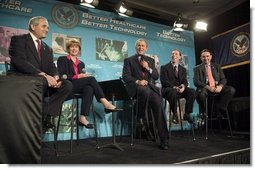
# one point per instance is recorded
(65, 16)
(240, 44)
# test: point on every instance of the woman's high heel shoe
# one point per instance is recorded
(88, 126)
(112, 110)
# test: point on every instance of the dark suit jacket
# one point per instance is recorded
(65, 66)
(200, 75)
(132, 71)
(168, 78)
(24, 56)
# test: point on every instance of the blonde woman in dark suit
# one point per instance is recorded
(84, 84)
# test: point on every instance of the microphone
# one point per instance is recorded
(83, 70)
(142, 58)
(63, 77)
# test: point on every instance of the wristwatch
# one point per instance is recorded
(45, 75)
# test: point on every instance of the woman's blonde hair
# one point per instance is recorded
(73, 42)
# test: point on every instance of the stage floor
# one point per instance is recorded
(217, 149)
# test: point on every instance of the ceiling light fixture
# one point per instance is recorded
(201, 26)
(89, 3)
(122, 10)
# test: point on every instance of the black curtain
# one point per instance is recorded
(239, 78)
(239, 107)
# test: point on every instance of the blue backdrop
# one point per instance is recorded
(90, 26)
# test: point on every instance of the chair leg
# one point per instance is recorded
(56, 134)
(229, 124)
(206, 118)
(180, 114)
(135, 120)
(122, 121)
(219, 120)
(212, 113)
(55, 141)
(75, 107)
(192, 130)
(132, 124)
(72, 129)
(121, 126)
(170, 124)
(95, 126)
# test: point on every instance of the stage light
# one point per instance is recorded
(201, 26)
(89, 3)
(122, 10)
(179, 25)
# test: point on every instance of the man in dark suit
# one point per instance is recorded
(31, 56)
(173, 77)
(209, 78)
(139, 74)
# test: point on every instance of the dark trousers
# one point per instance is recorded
(147, 96)
(222, 100)
(88, 87)
(171, 95)
(56, 97)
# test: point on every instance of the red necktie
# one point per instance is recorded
(210, 77)
(143, 72)
(39, 48)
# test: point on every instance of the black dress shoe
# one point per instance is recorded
(88, 126)
(188, 118)
(163, 146)
(141, 124)
(201, 119)
(175, 119)
(112, 110)
(202, 116)
(220, 116)
(48, 125)
(221, 113)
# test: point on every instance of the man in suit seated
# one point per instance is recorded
(139, 74)
(173, 77)
(31, 56)
(209, 78)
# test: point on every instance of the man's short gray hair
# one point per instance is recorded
(35, 21)
(139, 40)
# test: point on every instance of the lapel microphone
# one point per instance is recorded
(42, 45)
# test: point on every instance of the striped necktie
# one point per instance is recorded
(175, 71)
